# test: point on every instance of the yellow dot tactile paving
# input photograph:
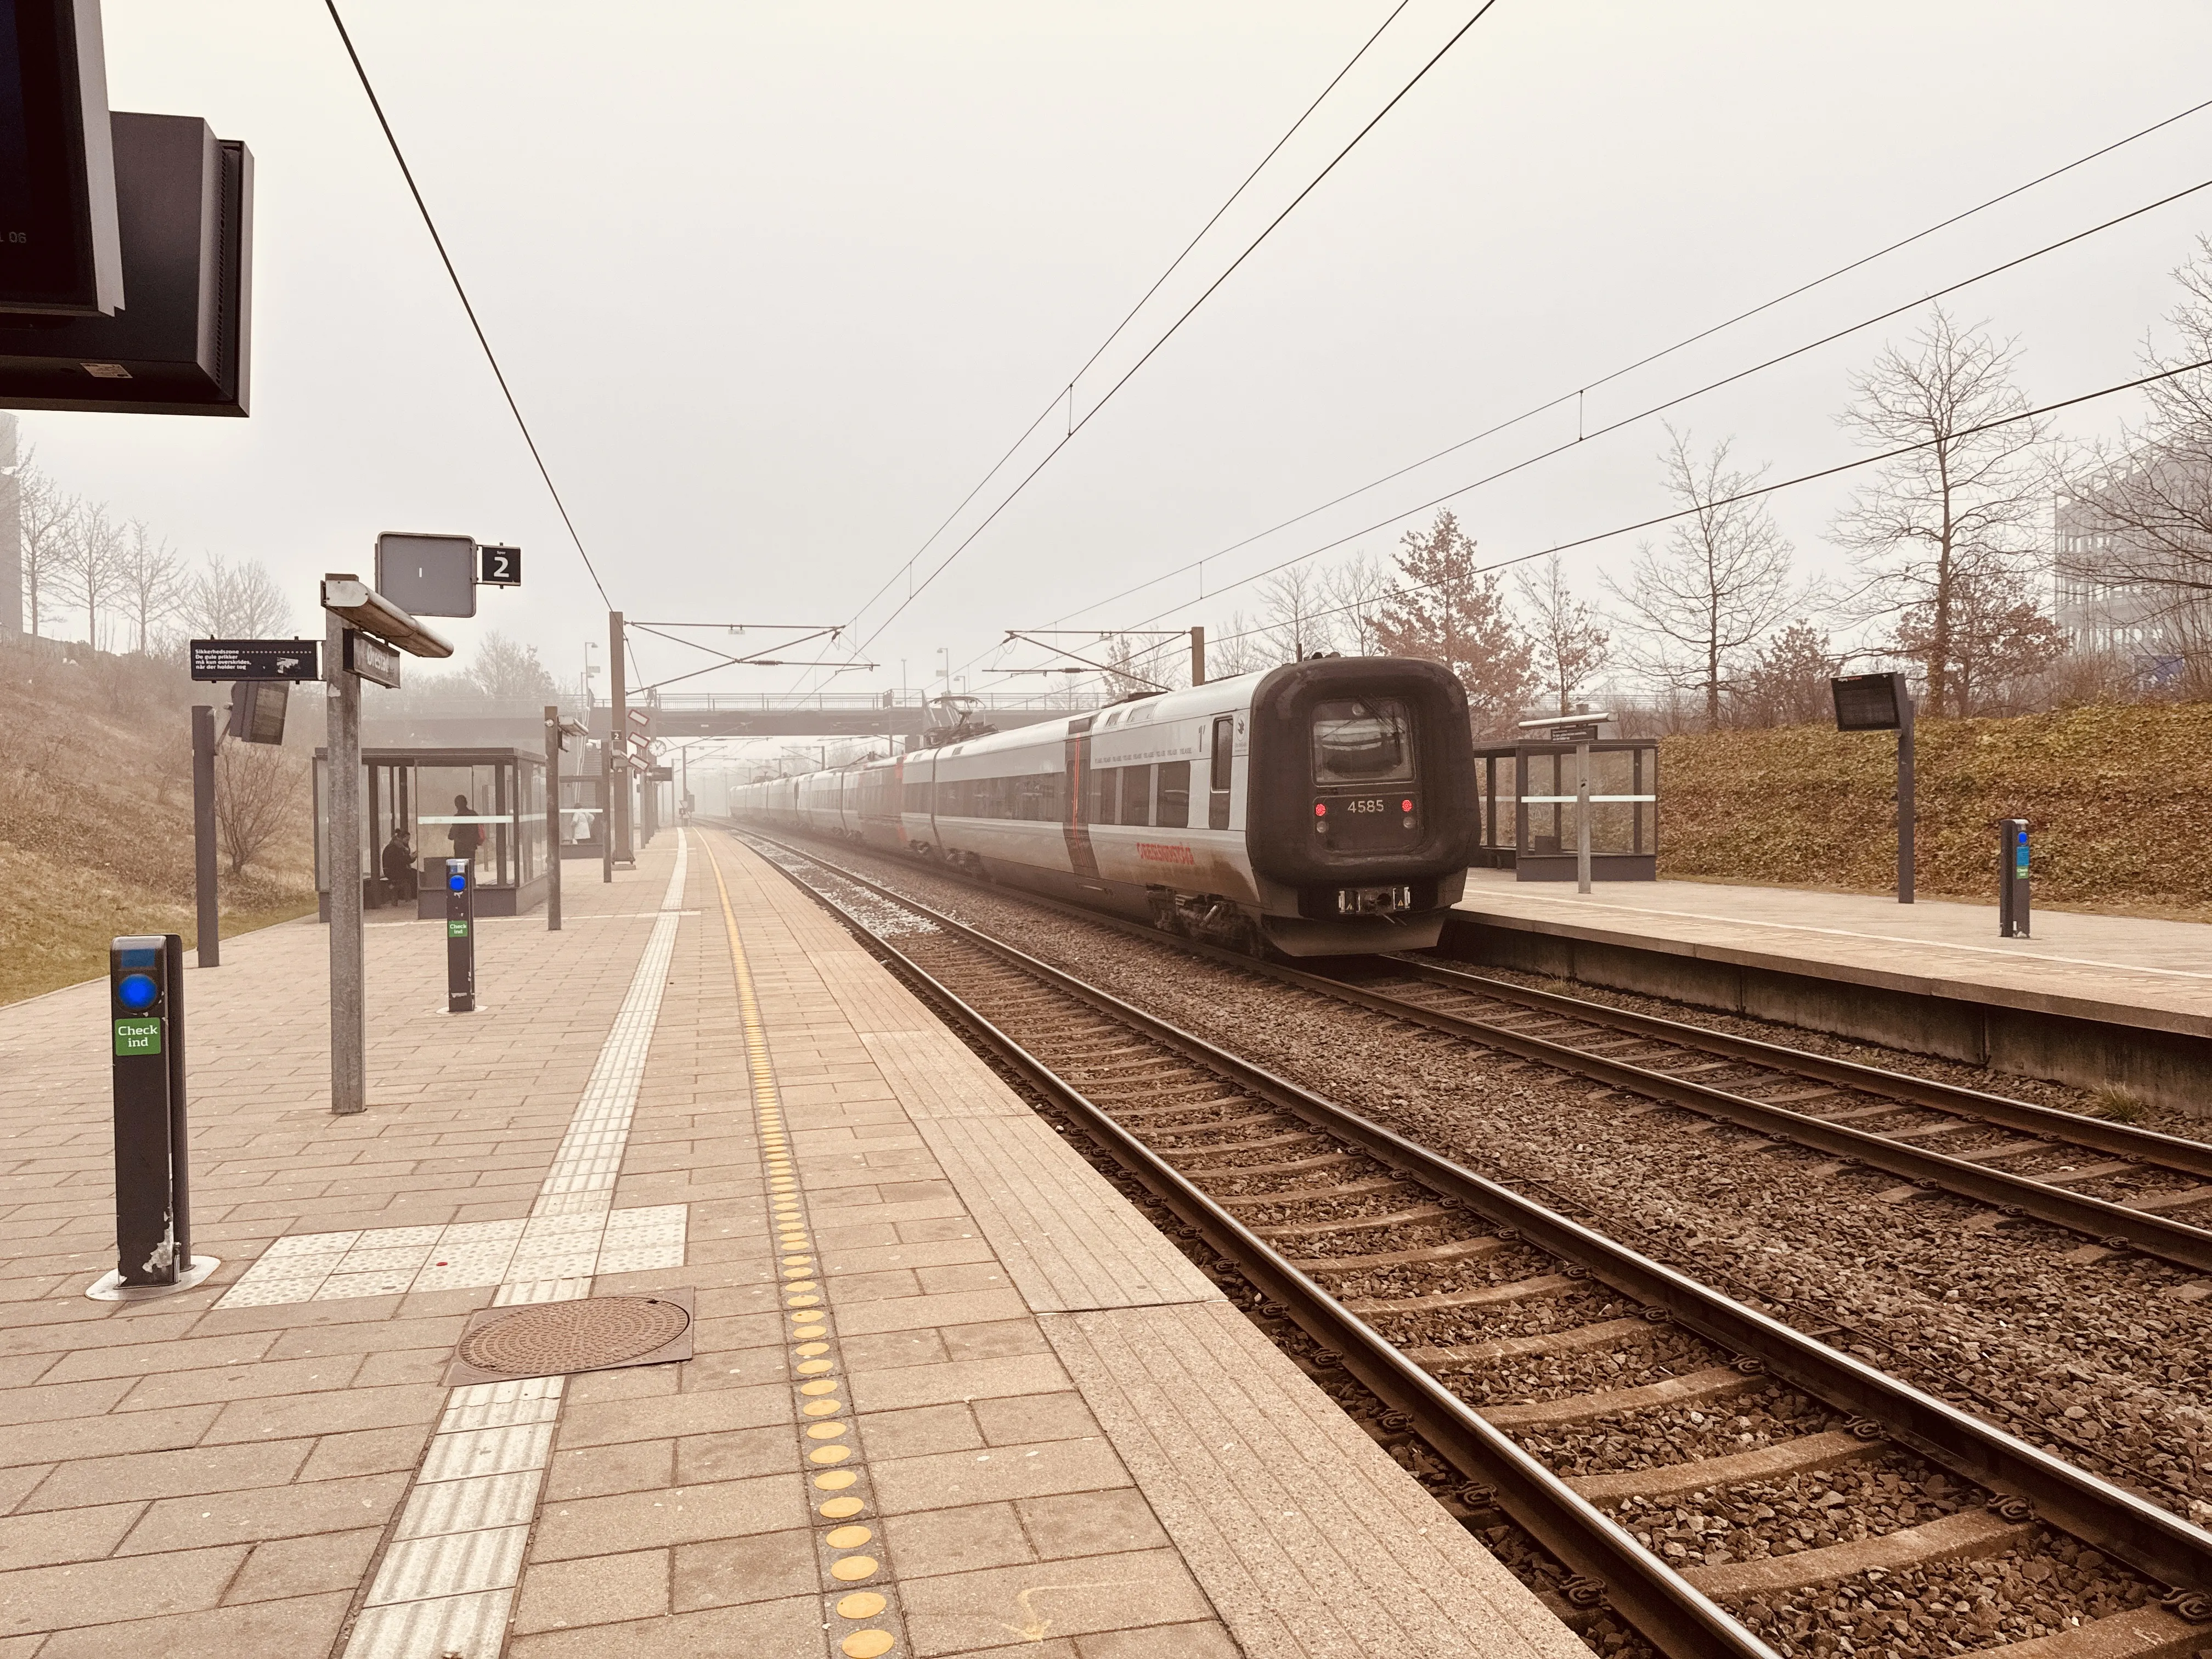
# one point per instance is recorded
(861, 1624)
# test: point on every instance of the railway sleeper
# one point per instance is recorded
(1966, 1536)
(1353, 1223)
(1805, 1455)
(1605, 1333)
(1453, 1251)
(1295, 1167)
(1717, 1382)
(1481, 1295)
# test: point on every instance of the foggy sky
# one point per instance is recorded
(775, 284)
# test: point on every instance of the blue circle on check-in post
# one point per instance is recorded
(137, 991)
(458, 883)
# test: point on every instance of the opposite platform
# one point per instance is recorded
(949, 1393)
(2098, 1001)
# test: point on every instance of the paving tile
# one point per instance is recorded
(56, 1598)
(593, 1590)
(86, 1535)
(956, 1613)
(994, 1338)
(916, 1312)
(594, 1471)
(112, 1435)
(950, 1479)
(168, 1474)
(725, 1573)
(963, 1540)
(677, 1414)
(793, 1626)
(286, 1567)
(305, 1625)
(182, 1523)
(734, 1454)
(676, 1515)
(1208, 1640)
(1090, 1524)
(887, 1390)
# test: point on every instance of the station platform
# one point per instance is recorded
(2094, 1000)
(946, 1392)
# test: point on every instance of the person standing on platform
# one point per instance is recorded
(466, 836)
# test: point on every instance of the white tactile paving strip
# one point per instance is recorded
(447, 1581)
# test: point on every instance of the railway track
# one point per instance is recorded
(2019, 1159)
(1722, 1483)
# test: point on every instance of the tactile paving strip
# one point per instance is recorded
(860, 1593)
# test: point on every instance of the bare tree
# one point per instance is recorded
(1571, 648)
(1448, 610)
(257, 786)
(1787, 684)
(1997, 640)
(1239, 648)
(152, 582)
(1298, 623)
(43, 516)
(91, 568)
(1718, 584)
(240, 601)
(1961, 511)
(507, 669)
(1357, 590)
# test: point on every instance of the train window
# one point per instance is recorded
(917, 798)
(1224, 750)
(1175, 794)
(1105, 804)
(1136, 794)
(1362, 742)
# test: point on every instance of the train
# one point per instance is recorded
(1325, 807)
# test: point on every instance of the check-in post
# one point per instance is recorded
(153, 1197)
(460, 937)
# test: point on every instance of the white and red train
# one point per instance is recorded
(1324, 807)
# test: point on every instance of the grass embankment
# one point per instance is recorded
(2115, 797)
(96, 816)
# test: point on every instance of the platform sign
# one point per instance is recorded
(256, 659)
(427, 575)
(372, 659)
(256, 712)
(499, 566)
(1869, 702)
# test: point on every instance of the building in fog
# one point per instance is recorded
(2107, 596)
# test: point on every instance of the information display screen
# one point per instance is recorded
(1869, 702)
(58, 247)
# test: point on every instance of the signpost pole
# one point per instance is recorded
(348, 1057)
(209, 949)
(1905, 810)
(553, 818)
(618, 731)
(1198, 656)
(1582, 818)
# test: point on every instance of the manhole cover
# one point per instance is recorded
(594, 1334)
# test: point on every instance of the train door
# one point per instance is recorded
(1222, 770)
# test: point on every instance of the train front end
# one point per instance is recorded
(1362, 805)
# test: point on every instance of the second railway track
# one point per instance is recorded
(1623, 1413)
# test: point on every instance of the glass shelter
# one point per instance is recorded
(1529, 809)
(422, 807)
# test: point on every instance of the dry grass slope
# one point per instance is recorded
(95, 817)
(2115, 797)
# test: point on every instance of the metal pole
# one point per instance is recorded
(1582, 818)
(209, 941)
(1905, 811)
(348, 1059)
(606, 812)
(618, 730)
(553, 818)
(1198, 656)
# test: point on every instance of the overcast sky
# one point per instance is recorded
(775, 284)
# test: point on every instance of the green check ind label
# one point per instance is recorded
(138, 1036)
(457, 930)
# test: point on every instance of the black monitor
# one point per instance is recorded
(60, 250)
(1870, 702)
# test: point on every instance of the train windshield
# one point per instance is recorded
(1364, 742)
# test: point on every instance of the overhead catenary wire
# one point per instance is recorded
(361, 73)
(1584, 434)
(1076, 427)
(1067, 394)
(1753, 494)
